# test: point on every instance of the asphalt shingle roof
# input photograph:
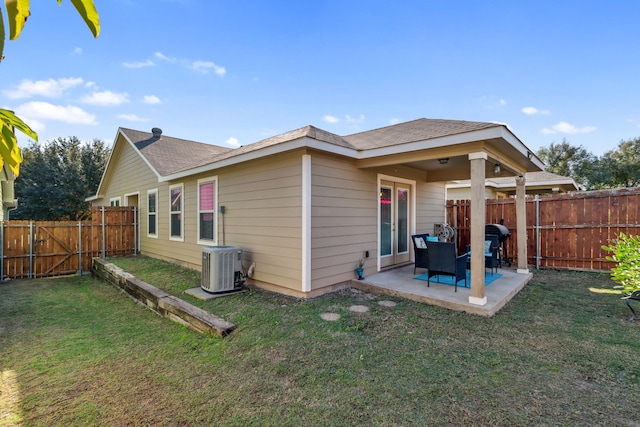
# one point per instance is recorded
(167, 154)
(415, 130)
(170, 155)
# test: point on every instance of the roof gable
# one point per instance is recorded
(166, 154)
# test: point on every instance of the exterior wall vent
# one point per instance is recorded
(221, 269)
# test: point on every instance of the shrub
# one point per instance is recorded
(626, 252)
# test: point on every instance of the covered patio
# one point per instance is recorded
(400, 282)
(445, 151)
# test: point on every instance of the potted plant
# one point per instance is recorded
(360, 269)
(626, 252)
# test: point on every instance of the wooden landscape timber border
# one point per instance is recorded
(161, 302)
(31, 249)
(564, 231)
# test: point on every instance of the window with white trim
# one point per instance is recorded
(152, 213)
(207, 209)
(114, 201)
(176, 221)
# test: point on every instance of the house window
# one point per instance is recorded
(176, 223)
(114, 201)
(207, 203)
(152, 218)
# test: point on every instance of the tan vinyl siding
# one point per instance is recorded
(344, 219)
(430, 206)
(128, 173)
(264, 216)
(345, 215)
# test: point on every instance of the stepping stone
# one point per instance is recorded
(331, 317)
(359, 308)
(387, 303)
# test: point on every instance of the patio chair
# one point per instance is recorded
(420, 250)
(443, 260)
(491, 252)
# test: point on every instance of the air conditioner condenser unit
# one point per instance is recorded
(221, 269)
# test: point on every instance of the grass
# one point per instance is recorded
(75, 351)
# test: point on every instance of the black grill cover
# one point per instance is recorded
(497, 229)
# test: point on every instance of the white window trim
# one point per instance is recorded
(115, 199)
(181, 237)
(213, 179)
(153, 191)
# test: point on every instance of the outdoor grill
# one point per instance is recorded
(503, 235)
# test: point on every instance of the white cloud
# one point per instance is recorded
(159, 55)
(233, 142)
(568, 128)
(205, 66)
(394, 121)
(48, 88)
(533, 110)
(331, 119)
(132, 118)
(48, 111)
(138, 64)
(354, 119)
(151, 99)
(77, 51)
(106, 98)
(502, 102)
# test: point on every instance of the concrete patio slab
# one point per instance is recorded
(400, 282)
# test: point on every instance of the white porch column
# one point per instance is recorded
(521, 225)
(478, 218)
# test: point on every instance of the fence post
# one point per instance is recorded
(537, 231)
(135, 230)
(103, 233)
(79, 248)
(31, 237)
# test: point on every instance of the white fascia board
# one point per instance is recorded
(304, 142)
(508, 136)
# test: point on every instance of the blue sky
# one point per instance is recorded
(234, 72)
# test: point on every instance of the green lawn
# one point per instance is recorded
(76, 351)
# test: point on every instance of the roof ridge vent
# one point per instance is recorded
(157, 132)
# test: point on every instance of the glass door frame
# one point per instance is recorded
(404, 183)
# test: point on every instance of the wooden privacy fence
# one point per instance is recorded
(31, 249)
(564, 231)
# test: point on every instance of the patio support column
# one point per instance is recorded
(478, 218)
(521, 225)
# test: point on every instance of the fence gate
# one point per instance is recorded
(33, 249)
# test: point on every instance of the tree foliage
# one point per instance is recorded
(17, 13)
(57, 178)
(619, 167)
(626, 252)
(568, 160)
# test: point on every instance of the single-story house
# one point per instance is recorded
(502, 187)
(307, 205)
